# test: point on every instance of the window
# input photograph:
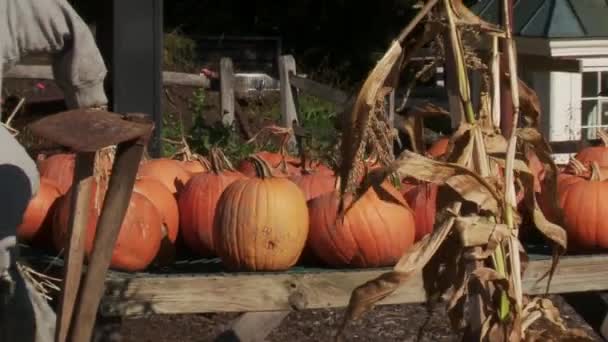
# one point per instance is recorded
(594, 106)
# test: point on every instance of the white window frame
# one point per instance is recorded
(600, 100)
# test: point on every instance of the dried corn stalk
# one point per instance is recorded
(478, 227)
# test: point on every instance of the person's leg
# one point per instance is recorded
(24, 314)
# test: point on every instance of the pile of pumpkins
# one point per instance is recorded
(271, 212)
(580, 192)
(267, 214)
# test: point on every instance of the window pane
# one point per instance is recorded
(588, 133)
(589, 113)
(604, 84)
(590, 84)
(604, 112)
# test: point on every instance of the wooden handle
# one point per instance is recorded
(74, 257)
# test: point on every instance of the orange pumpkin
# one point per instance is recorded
(572, 173)
(261, 223)
(422, 198)
(168, 171)
(282, 166)
(374, 232)
(140, 235)
(62, 212)
(196, 165)
(60, 169)
(583, 208)
(597, 154)
(36, 216)
(198, 200)
(439, 147)
(164, 202)
(314, 183)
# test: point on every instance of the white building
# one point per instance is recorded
(574, 96)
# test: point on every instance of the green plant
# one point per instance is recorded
(179, 52)
(318, 116)
(203, 136)
(170, 134)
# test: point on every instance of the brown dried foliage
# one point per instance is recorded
(469, 255)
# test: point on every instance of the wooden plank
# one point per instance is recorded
(572, 146)
(547, 63)
(289, 114)
(226, 91)
(45, 72)
(197, 293)
(77, 223)
(319, 90)
(253, 326)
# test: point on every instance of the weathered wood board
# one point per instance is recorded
(309, 289)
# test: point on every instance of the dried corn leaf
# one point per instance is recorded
(465, 16)
(367, 295)
(355, 131)
(529, 102)
(554, 232)
(478, 231)
(541, 307)
(465, 182)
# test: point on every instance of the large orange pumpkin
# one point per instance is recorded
(261, 223)
(422, 198)
(314, 183)
(574, 172)
(168, 171)
(198, 201)
(62, 212)
(35, 223)
(584, 209)
(374, 232)
(597, 154)
(140, 235)
(163, 200)
(60, 169)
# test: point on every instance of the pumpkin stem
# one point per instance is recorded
(219, 161)
(201, 160)
(577, 167)
(596, 173)
(337, 184)
(261, 167)
(604, 136)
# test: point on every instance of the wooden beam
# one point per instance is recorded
(226, 91)
(547, 63)
(319, 90)
(289, 114)
(44, 72)
(253, 326)
(242, 292)
(572, 146)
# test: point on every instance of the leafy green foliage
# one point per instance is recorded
(318, 116)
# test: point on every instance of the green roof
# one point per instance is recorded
(552, 18)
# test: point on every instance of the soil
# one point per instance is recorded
(385, 323)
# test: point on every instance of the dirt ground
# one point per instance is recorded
(385, 323)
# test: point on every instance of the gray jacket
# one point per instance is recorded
(37, 26)
(32, 26)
